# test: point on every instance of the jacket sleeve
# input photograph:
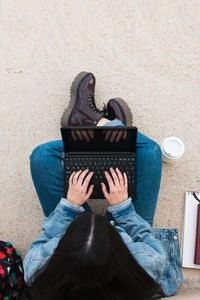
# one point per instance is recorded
(54, 227)
(137, 235)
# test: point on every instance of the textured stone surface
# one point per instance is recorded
(185, 297)
(146, 52)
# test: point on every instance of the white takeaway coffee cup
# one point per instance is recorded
(172, 149)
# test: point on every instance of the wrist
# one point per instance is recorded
(120, 206)
(114, 203)
(76, 203)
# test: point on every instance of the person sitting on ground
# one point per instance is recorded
(81, 255)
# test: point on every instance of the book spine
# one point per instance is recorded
(197, 243)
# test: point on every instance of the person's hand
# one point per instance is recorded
(118, 185)
(77, 192)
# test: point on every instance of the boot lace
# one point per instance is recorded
(91, 102)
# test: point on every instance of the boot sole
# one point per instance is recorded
(68, 112)
(125, 110)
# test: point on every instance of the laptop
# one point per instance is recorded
(98, 149)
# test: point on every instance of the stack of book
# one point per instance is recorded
(190, 250)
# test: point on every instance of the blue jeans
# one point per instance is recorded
(47, 171)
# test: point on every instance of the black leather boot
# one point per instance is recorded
(117, 108)
(82, 108)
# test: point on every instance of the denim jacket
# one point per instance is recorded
(155, 249)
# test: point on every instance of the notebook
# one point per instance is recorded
(190, 226)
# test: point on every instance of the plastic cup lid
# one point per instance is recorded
(173, 147)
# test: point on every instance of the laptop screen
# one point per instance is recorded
(99, 139)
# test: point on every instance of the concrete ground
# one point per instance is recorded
(146, 52)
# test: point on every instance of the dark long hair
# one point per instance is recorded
(92, 262)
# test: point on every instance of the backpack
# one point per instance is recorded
(11, 272)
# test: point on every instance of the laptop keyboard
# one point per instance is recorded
(99, 165)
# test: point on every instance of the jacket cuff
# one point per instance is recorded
(122, 211)
(66, 208)
(124, 204)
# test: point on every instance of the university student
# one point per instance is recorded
(80, 255)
